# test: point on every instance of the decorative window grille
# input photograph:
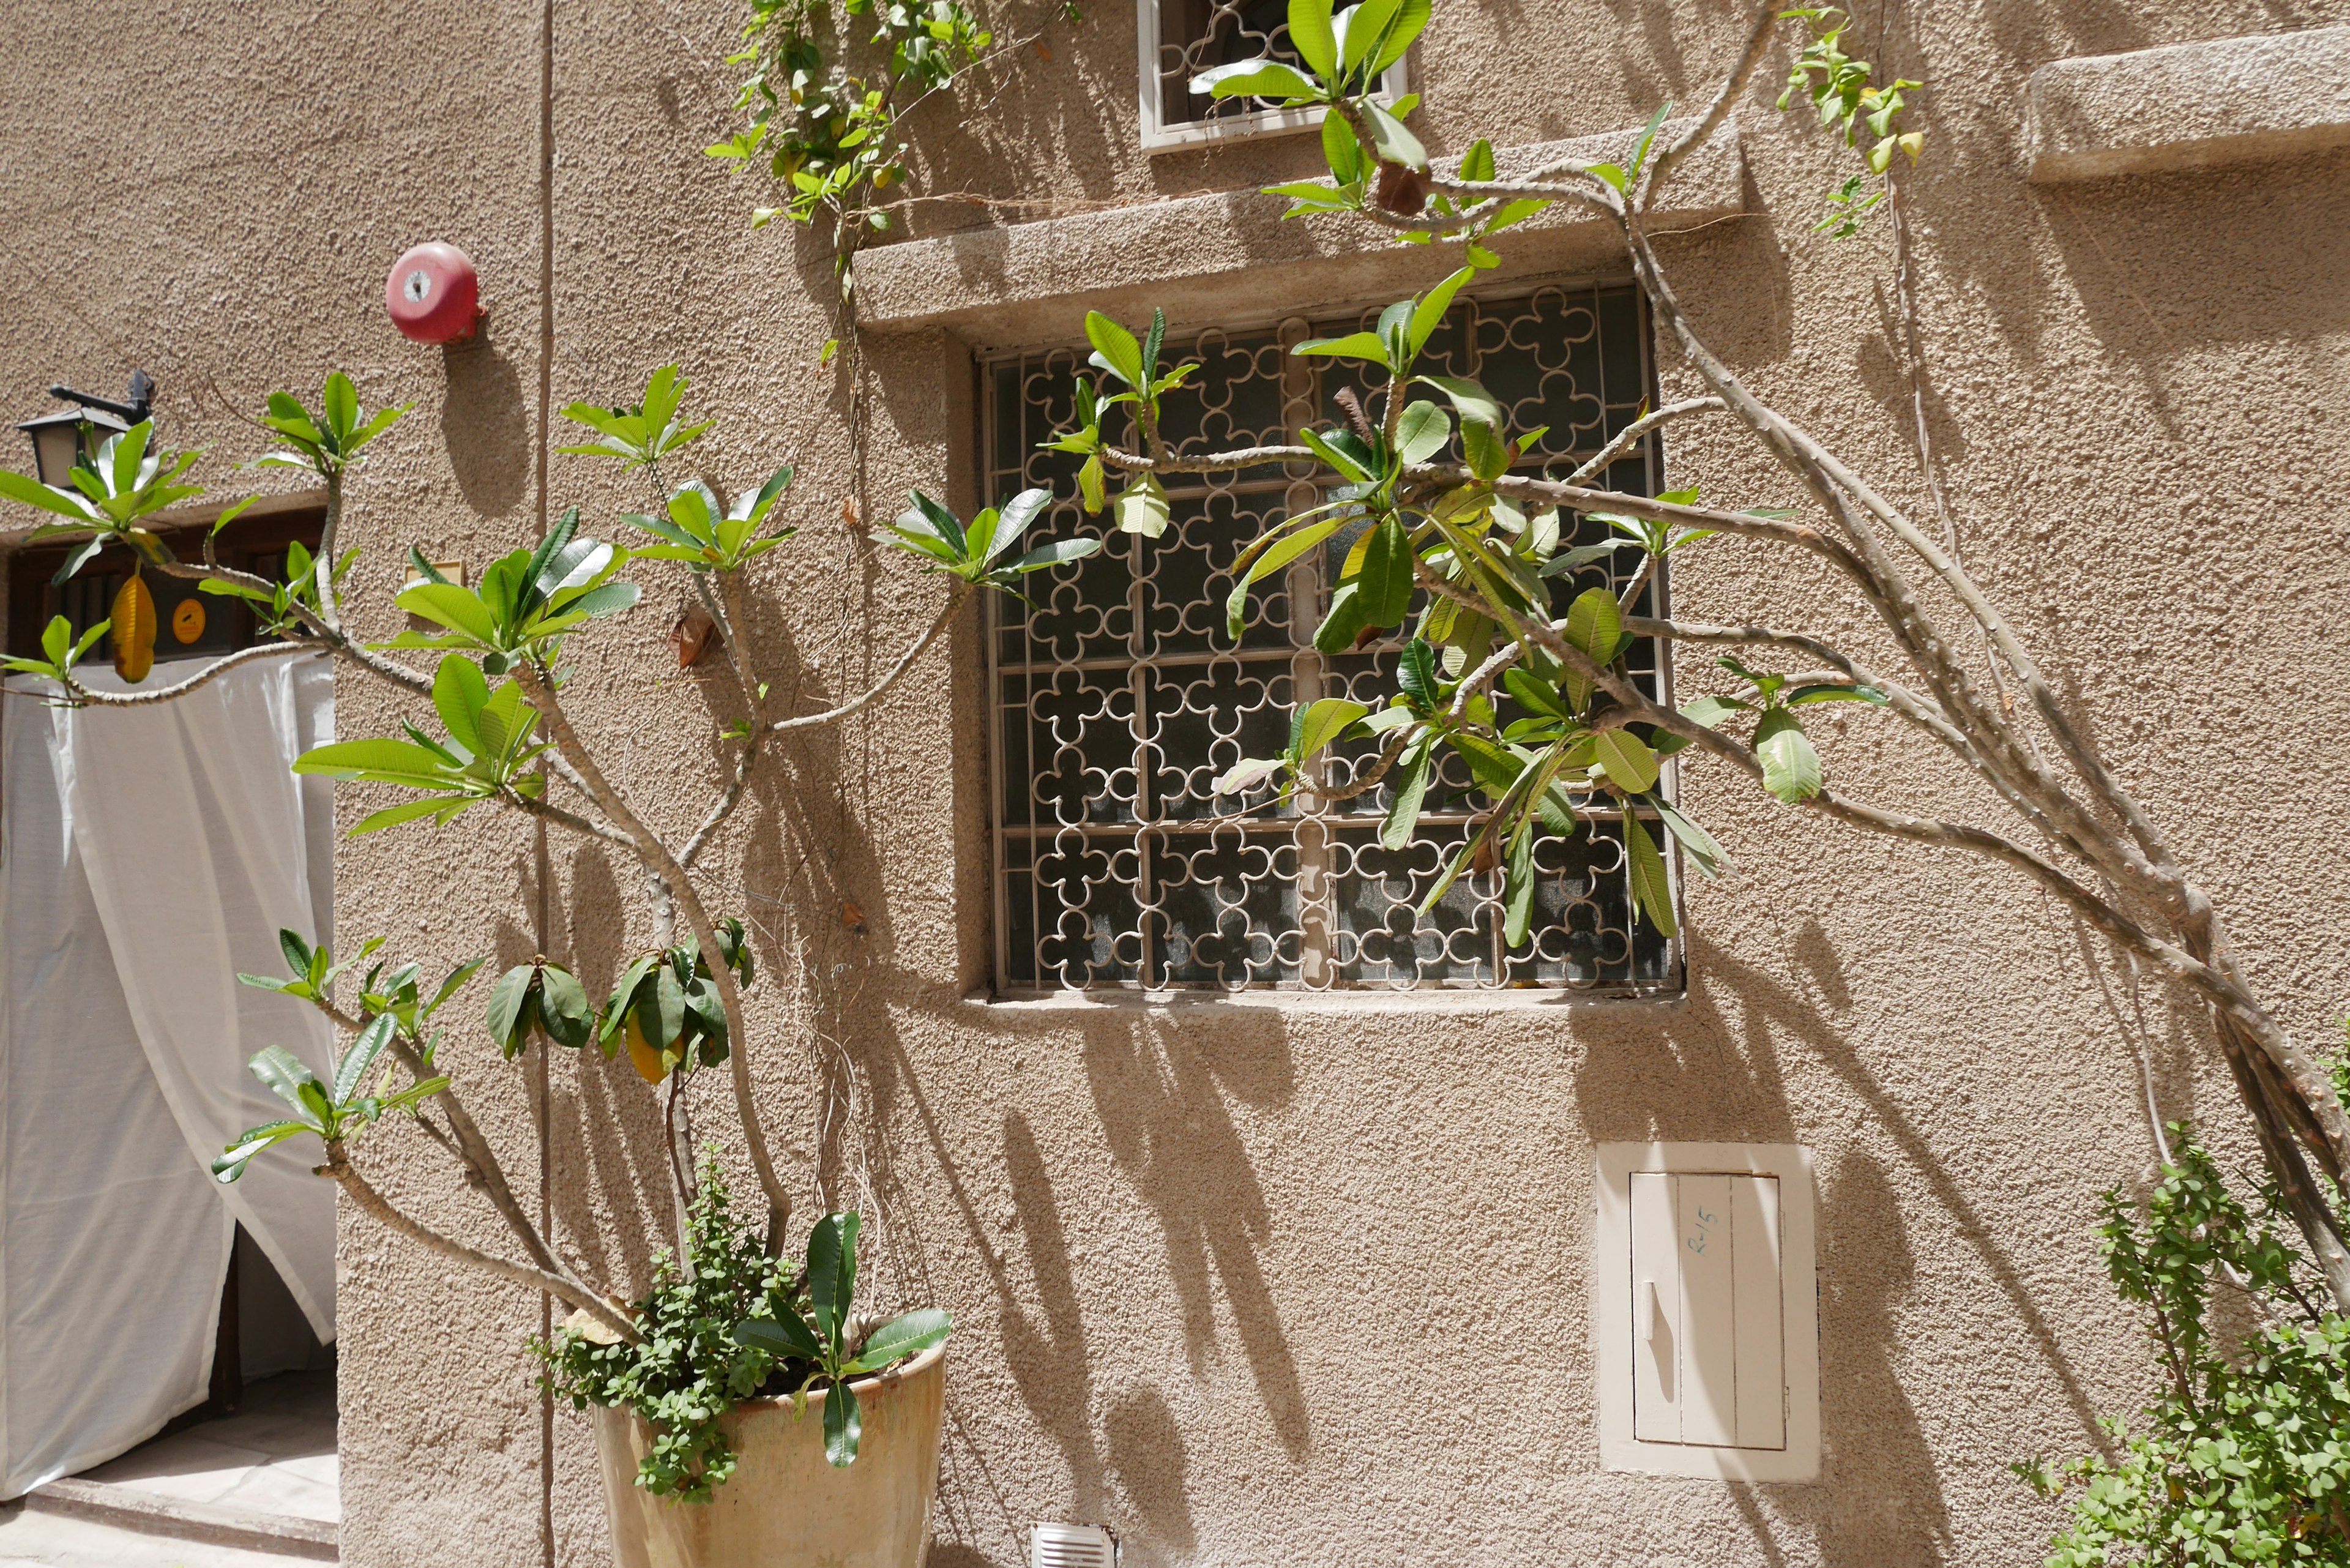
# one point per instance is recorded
(1118, 699)
(1181, 38)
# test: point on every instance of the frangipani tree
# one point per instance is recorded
(1448, 540)
(1445, 540)
(489, 730)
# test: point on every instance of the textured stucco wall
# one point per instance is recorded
(1275, 1282)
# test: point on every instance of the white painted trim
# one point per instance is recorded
(1612, 1327)
(1160, 137)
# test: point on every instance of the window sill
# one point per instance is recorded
(1231, 259)
(2189, 106)
(1441, 999)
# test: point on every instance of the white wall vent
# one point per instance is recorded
(1705, 1311)
(1071, 1546)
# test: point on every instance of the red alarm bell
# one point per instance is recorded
(434, 295)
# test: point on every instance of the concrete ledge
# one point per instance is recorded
(2190, 106)
(152, 1514)
(1227, 256)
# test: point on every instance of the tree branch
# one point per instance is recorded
(904, 662)
(1631, 433)
(658, 862)
(1733, 87)
(84, 697)
(338, 1165)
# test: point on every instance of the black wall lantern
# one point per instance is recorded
(74, 434)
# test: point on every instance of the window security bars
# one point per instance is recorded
(1181, 38)
(1117, 700)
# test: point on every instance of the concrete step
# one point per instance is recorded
(177, 1521)
(38, 1538)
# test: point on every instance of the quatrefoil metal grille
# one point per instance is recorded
(1117, 698)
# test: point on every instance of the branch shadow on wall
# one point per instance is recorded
(606, 1123)
(1161, 1088)
(1719, 1075)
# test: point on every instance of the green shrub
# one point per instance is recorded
(690, 1370)
(2242, 1456)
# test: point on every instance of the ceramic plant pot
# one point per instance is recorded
(785, 1506)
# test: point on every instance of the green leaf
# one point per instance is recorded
(1411, 19)
(832, 1275)
(1275, 556)
(1708, 856)
(1410, 790)
(1790, 765)
(1354, 346)
(788, 1336)
(1640, 153)
(1423, 433)
(230, 1164)
(445, 604)
(1340, 629)
(340, 405)
(1472, 401)
(1366, 24)
(1416, 673)
(442, 807)
(1518, 886)
(511, 1007)
(1429, 314)
(1712, 711)
(901, 1337)
(1386, 584)
(563, 1009)
(1059, 552)
(1652, 889)
(32, 493)
(1329, 450)
(1630, 765)
(391, 761)
(1311, 36)
(1488, 454)
(1019, 513)
(1257, 78)
(1394, 143)
(660, 1007)
(283, 1074)
(1322, 722)
(352, 1069)
(458, 694)
(1495, 769)
(1115, 348)
(1595, 624)
(1532, 693)
(844, 1426)
(1343, 153)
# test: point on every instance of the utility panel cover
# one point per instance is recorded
(1705, 1311)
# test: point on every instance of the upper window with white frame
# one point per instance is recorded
(1118, 699)
(1181, 38)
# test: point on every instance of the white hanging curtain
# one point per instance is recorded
(150, 854)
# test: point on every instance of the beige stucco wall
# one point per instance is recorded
(1270, 1280)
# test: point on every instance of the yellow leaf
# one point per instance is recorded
(134, 630)
(642, 1055)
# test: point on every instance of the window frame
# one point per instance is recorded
(1671, 990)
(1160, 135)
